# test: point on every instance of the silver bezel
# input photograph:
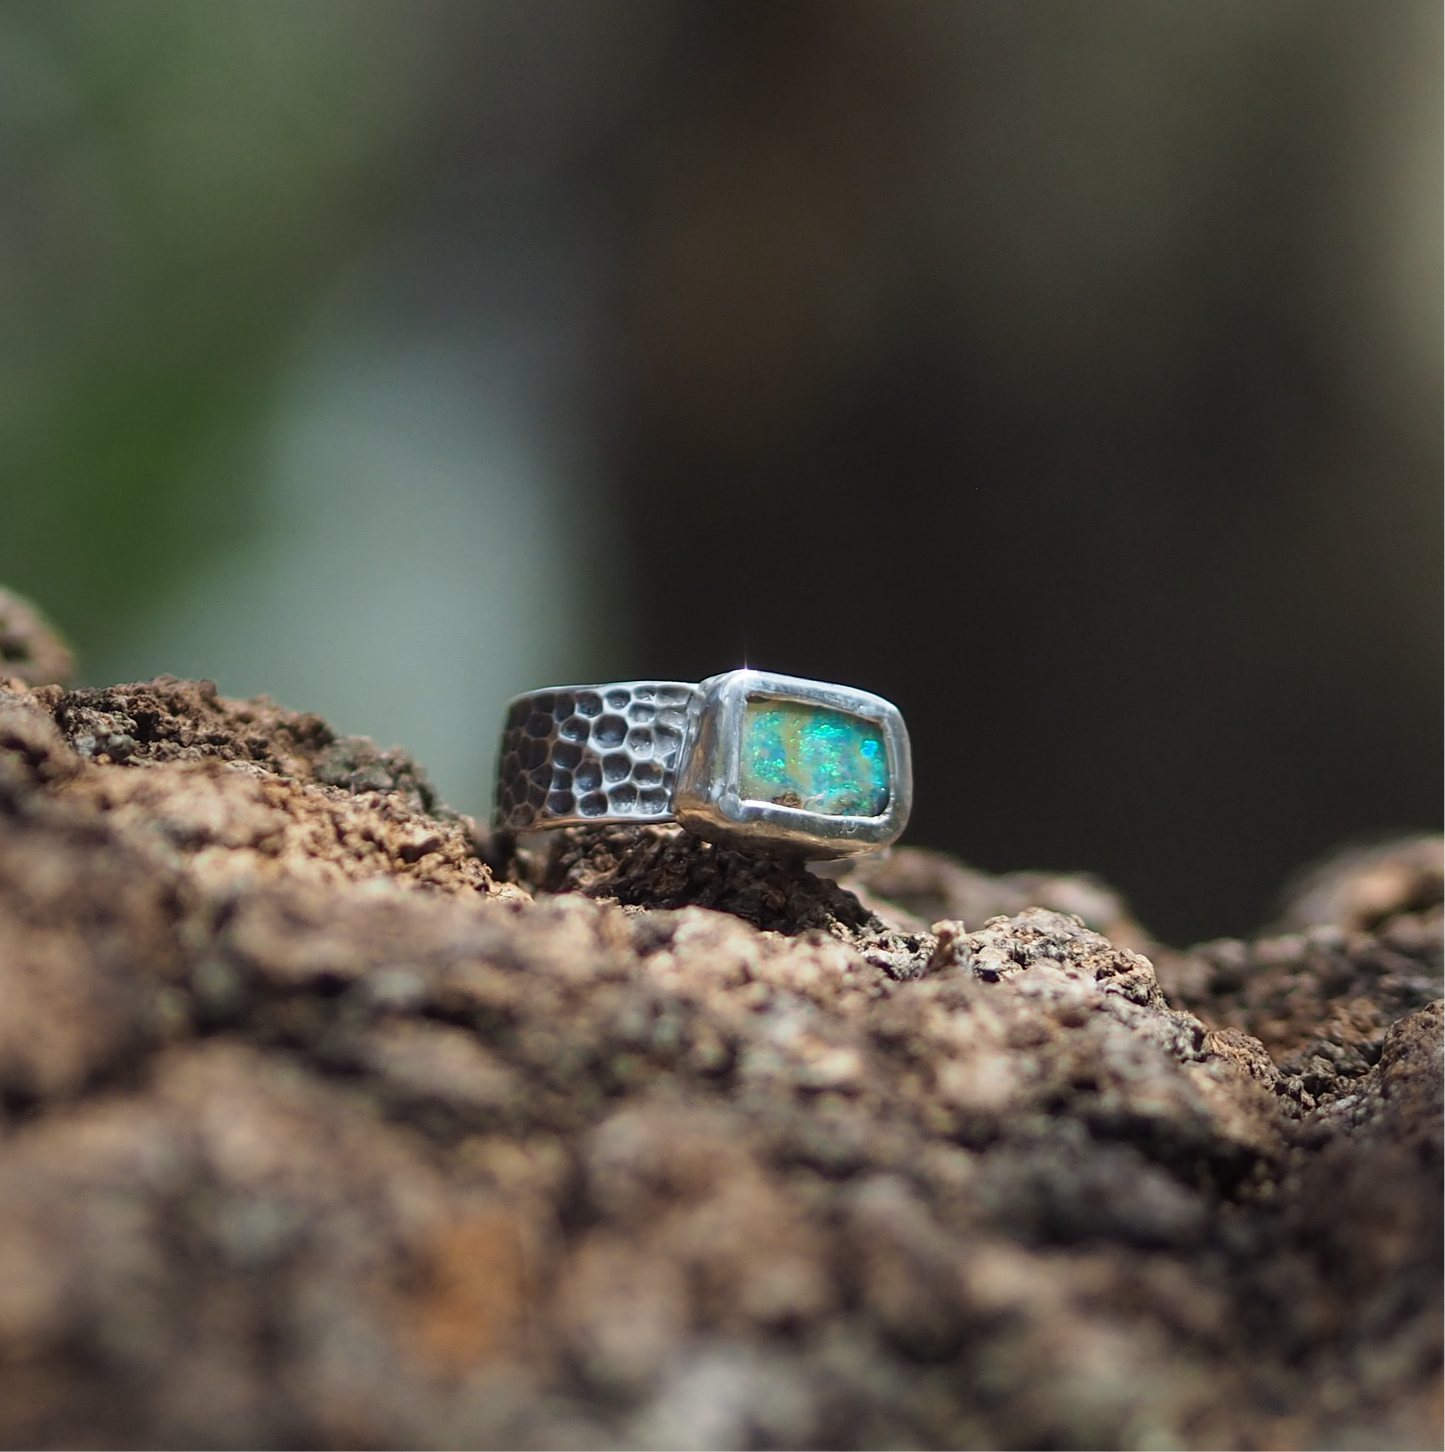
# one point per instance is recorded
(707, 800)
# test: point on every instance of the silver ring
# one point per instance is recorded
(745, 758)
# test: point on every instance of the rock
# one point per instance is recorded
(1362, 887)
(321, 1128)
(1323, 998)
(929, 886)
(31, 650)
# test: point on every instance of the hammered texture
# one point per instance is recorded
(591, 754)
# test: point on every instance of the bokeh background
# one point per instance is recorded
(1067, 371)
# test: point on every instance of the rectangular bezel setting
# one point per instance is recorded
(804, 777)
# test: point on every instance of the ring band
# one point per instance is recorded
(748, 758)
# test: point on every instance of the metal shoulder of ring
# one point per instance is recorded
(587, 754)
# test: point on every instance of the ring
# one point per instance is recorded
(745, 758)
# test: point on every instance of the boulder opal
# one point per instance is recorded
(799, 755)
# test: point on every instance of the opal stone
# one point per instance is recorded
(797, 755)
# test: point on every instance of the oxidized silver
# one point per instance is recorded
(580, 754)
(659, 751)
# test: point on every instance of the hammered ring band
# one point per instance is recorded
(750, 759)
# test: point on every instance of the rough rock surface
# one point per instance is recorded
(318, 1130)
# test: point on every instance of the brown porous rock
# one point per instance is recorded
(326, 1124)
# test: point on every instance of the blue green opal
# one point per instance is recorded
(796, 755)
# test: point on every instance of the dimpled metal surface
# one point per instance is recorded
(591, 754)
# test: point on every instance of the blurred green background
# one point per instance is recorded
(1068, 370)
